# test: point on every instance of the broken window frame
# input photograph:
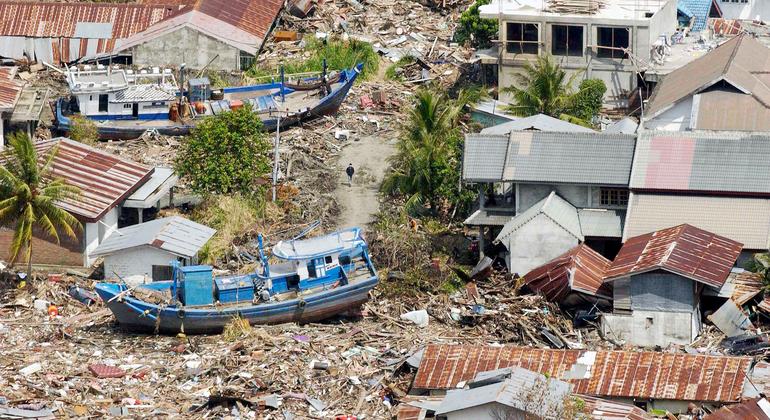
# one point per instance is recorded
(614, 50)
(616, 197)
(524, 43)
(568, 50)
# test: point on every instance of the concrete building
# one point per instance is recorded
(105, 181)
(225, 35)
(542, 193)
(649, 380)
(658, 279)
(713, 181)
(614, 42)
(148, 248)
(724, 90)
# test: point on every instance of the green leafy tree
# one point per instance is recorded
(28, 196)
(429, 152)
(473, 29)
(225, 154)
(545, 88)
(83, 130)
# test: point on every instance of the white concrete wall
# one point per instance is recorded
(96, 232)
(490, 411)
(137, 261)
(676, 118)
(666, 328)
(189, 46)
(754, 9)
(535, 243)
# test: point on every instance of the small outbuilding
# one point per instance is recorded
(147, 249)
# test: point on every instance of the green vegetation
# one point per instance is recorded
(226, 153)
(27, 197)
(392, 72)
(231, 216)
(472, 29)
(545, 88)
(83, 130)
(427, 165)
(339, 54)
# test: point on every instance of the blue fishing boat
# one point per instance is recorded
(125, 104)
(316, 278)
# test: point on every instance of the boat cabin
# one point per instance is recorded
(111, 93)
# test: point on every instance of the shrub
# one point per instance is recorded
(587, 102)
(231, 215)
(83, 130)
(226, 153)
(475, 30)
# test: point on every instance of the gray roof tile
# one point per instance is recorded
(556, 208)
(174, 234)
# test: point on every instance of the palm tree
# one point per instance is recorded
(543, 88)
(28, 196)
(424, 148)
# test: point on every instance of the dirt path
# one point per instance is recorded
(369, 156)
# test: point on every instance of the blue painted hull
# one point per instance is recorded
(136, 315)
(327, 105)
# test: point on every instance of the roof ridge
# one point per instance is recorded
(734, 52)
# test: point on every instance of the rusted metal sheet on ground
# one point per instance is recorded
(755, 409)
(598, 373)
(685, 250)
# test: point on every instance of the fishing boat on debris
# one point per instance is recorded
(125, 104)
(318, 278)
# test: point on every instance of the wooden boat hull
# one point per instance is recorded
(327, 105)
(136, 315)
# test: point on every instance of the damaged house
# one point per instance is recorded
(658, 279)
(649, 380)
(543, 193)
(107, 182)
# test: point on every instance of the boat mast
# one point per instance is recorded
(275, 153)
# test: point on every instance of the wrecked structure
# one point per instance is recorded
(542, 193)
(658, 279)
(649, 380)
(10, 90)
(611, 40)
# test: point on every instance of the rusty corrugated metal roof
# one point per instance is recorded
(685, 250)
(253, 16)
(749, 410)
(580, 269)
(103, 178)
(648, 375)
(10, 89)
(54, 20)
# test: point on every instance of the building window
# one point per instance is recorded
(522, 38)
(614, 197)
(103, 101)
(567, 40)
(246, 60)
(611, 42)
(127, 106)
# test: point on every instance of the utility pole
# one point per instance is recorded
(275, 154)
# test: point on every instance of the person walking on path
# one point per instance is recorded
(350, 171)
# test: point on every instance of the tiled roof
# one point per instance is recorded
(746, 220)
(103, 178)
(614, 374)
(539, 122)
(699, 9)
(71, 20)
(559, 210)
(539, 156)
(708, 162)
(174, 234)
(685, 250)
(10, 89)
(580, 269)
(739, 62)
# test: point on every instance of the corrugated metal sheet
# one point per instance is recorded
(723, 110)
(252, 16)
(539, 122)
(755, 409)
(104, 179)
(699, 9)
(601, 223)
(599, 409)
(484, 157)
(741, 286)
(144, 93)
(741, 62)
(581, 269)
(708, 162)
(175, 234)
(685, 250)
(539, 156)
(10, 89)
(487, 218)
(615, 374)
(554, 207)
(415, 407)
(746, 220)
